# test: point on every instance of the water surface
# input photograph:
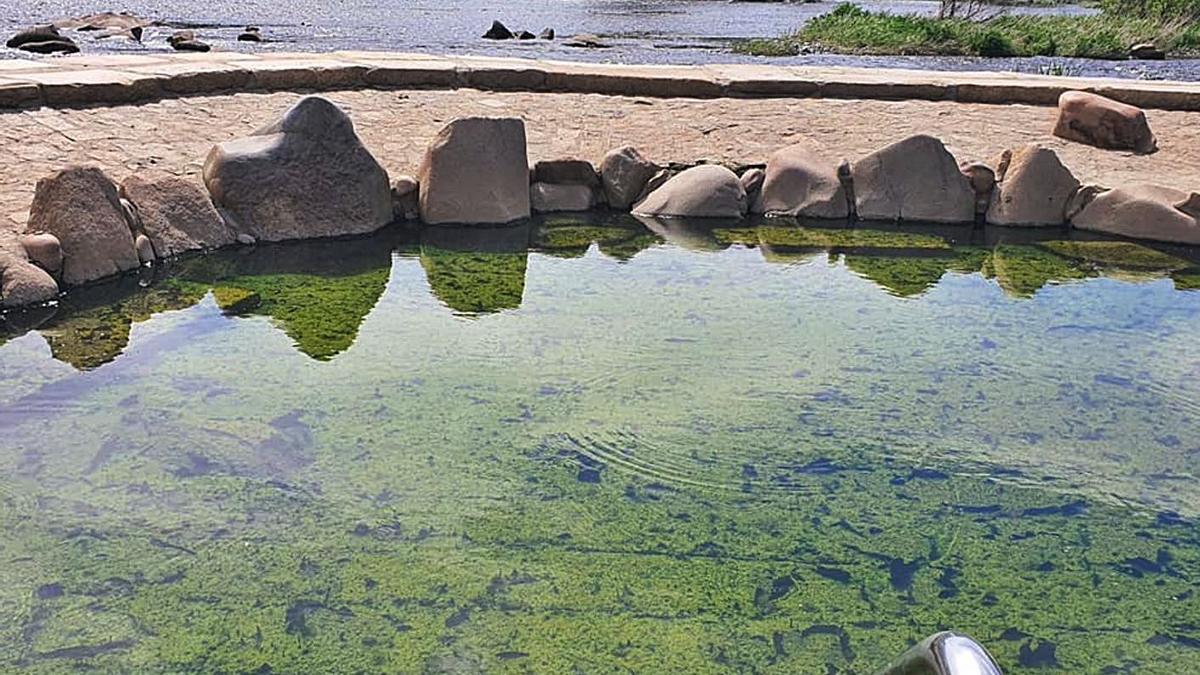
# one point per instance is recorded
(597, 445)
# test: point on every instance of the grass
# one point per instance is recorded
(1109, 35)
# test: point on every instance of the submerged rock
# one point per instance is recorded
(1035, 191)
(476, 171)
(624, 173)
(81, 207)
(706, 191)
(176, 214)
(799, 182)
(1144, 212)
(915, 179)
(1094, 120)
(307, 175)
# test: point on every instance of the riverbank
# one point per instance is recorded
(1112, 35)
(175, 134)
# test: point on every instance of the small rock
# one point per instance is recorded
(656, 181)
(45, 33)
(185, 41)
(1082, 197)
(1094, 120)
(476, 171)
(566, 172)
(81, 207)
(526, 35)
(44, 250)
(546, 34)
(587, 41)
(752, 182)
(498, 31)
(23, 284)
(707, 191)
(104, 21)
(624, 173)
(983, 181)
(145, 250)
(1146, 51)
(250, 34)
(555, 197)
(799, 182)
(246, 240)
(915, 179)
(1035, 190)
(406, 192)
(1144, 212)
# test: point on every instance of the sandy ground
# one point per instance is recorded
(175, 135)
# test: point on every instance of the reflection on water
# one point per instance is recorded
(599, 444)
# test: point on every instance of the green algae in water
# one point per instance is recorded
(693, 461)
(1023, 270)
(1117, 253)
(809, 237)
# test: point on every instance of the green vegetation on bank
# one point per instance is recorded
(1171, 25)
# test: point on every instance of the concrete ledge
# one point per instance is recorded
(120, 79)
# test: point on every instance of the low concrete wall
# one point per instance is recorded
(115, 79)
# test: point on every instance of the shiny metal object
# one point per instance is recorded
(945, 653)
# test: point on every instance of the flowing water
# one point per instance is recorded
(597, 446)
(637, 31)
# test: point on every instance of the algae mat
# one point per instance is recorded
(593, 447)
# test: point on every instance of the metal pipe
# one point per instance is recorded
(945, 653)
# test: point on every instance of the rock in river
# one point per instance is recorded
(706, 191)
(915, 179)
(476, 171)
(307, 175)
(498, 31)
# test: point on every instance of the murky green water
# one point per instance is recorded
(677, 449)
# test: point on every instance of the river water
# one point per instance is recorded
(644, 31)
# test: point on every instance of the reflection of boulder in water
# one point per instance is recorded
(906, 274)
(690, 234)
(1119, 254)
(792, 236)
(318, 293)
(620, 237)
(1187, 281)
(476, 271)
(1022, 270)
(93, 324)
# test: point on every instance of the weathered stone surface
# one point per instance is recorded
(707, 191)
(22, 283)
(799, 182)
(406, 198)
(566, 172)
(587, 41)
(1102, 122)
(476, 171)
(557, 197)
(624, 173)
(1035, 190)
(656, 181)
(176, 214)
(983, 181)
(1144, 212)
(46, 33)
(915, 179)
(305, 176)
(80, 206)
(104, 20)
(44, 250)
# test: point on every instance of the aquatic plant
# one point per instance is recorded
(1116, 253)
(475, 282)
(838, 238)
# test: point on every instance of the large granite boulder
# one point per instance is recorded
(476, 171)
(80, 205)
(1092, 119)
(913, 179)
(799, 182)
(176, 214)
(625, 173)
(23, 284)
(706, 191)
(1035, 191)
(305, 176)
(1144, 212)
